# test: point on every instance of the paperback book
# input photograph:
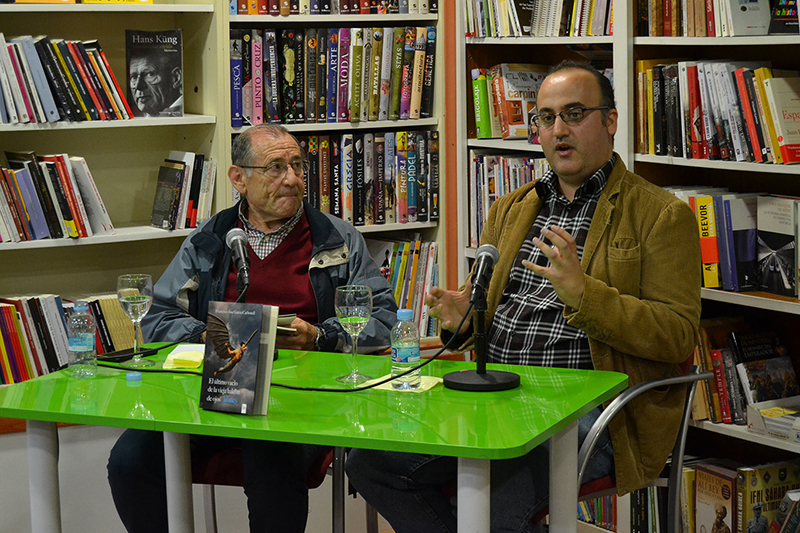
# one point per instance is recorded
(155, 72)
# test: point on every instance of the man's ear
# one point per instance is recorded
(177, 77)
(237, 176)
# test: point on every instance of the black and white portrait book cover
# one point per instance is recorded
(154, 72)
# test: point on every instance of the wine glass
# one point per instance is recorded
(135, 295)
(353, 308)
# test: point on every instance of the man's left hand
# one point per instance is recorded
(302, 339)
(564, 271)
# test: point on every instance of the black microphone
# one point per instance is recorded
(485, 258)
(236, 239)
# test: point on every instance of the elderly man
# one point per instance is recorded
(156, 84)
(310, 253)
(598, 269)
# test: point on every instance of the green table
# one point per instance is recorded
(473, 426)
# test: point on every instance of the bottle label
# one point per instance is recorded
(82, 342)
(405, 354)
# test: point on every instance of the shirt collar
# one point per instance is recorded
(256, 235)
(547, 187)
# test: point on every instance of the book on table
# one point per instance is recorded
(237, 367)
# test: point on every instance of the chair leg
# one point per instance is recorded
(210, 507)
(338, 489)
(372, 519)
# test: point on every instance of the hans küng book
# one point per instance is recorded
(155, 72)
(237, 367)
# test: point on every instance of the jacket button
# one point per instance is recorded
(320, 261)
(344, 256)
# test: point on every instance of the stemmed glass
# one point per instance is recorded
(353, 308)
(135, 295)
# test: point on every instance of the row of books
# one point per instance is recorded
(503, 97)
(184, 191)
(411, 268)
(495, 18)
(716, 18)
(748, 240)
(751, 365)
(602, 512)
(374, 178)
(50, 197)
(572, 18)
(323, 75)
(34, 335)
(335, 7)
(718, 110)
(490, 177)
(46, 80)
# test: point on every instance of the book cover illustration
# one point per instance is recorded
(768, 379)
(760, 491)
(715, 503)
(230, 364)
(155, 72)
(776, 245)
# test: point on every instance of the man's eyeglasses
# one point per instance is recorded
(278, 169)
(570, 116)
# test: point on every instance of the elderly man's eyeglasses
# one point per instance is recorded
(278, 169)
(571, 116)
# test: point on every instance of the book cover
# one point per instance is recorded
(342, 103)
(73, 197)
(740, 217)
(31, 207)
(770, 137)
(777, 242)
(760, 490)
(515, 87)
(755, 345)
(768, 379)
(706, 222)
(714, 336)
(386, 73)
(37, 71)
(29, 161)
(66, 220)
(715, 497)
(155, 72)
(168, 190)
(23, 111)
(736, 399)
(96, 212)
(783, 95)
(237, 365)
(789, 500)
(784, 18)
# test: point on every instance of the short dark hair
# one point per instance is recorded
(606, 89)
(242, 153)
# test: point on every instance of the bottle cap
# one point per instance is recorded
(134, 376)
(405, 314)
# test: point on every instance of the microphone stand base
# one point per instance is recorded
(471, 380)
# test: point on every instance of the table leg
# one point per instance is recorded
(473, 495)
(177, 462)
(564, 480)
(43, 476)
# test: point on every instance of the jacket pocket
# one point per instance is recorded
(625, 267)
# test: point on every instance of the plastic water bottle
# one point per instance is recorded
(81, 334)
(405, 350)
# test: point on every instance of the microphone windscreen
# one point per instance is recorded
(236, 234)
(490, 250)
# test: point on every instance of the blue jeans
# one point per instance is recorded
(406, 488)
(274, 480)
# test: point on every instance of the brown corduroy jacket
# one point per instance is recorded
(640, 307)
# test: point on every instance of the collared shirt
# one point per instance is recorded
(263, 243)
(529, 326)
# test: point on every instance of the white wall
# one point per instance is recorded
(86, 504)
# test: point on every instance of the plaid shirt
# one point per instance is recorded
(262, 243)
(529, 326)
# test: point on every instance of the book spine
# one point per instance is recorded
(312, 179)
(721, 385)
(72, 57)
(322, 75)
(342, 102)
(480, 103)
(24, 90)
(347, 177)
(312, 51)
(401, 147)
(375, 74)
(386, 73)
(366, 63)
(43, 88)
(420, 42)
(708, 241)
(93, 75)
(257, 73)
(324, 173)
(408, 73)
(58, 78)
(426, 107)
(23, 114)
(369, 179)
(333, 74)
(398, 46)
(433, 175)
(358, 179)
(336, 176)
(390, 178)
(357, 60)
(299, 76)
(237, 119)
(379, 177)
(422, 177)
(272, 100)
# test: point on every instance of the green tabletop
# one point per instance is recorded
(483, 425)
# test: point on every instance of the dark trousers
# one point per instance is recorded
(274, 480)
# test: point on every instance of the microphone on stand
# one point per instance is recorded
(481, 380)
(236, 239)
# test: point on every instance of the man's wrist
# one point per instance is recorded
(320, 340)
